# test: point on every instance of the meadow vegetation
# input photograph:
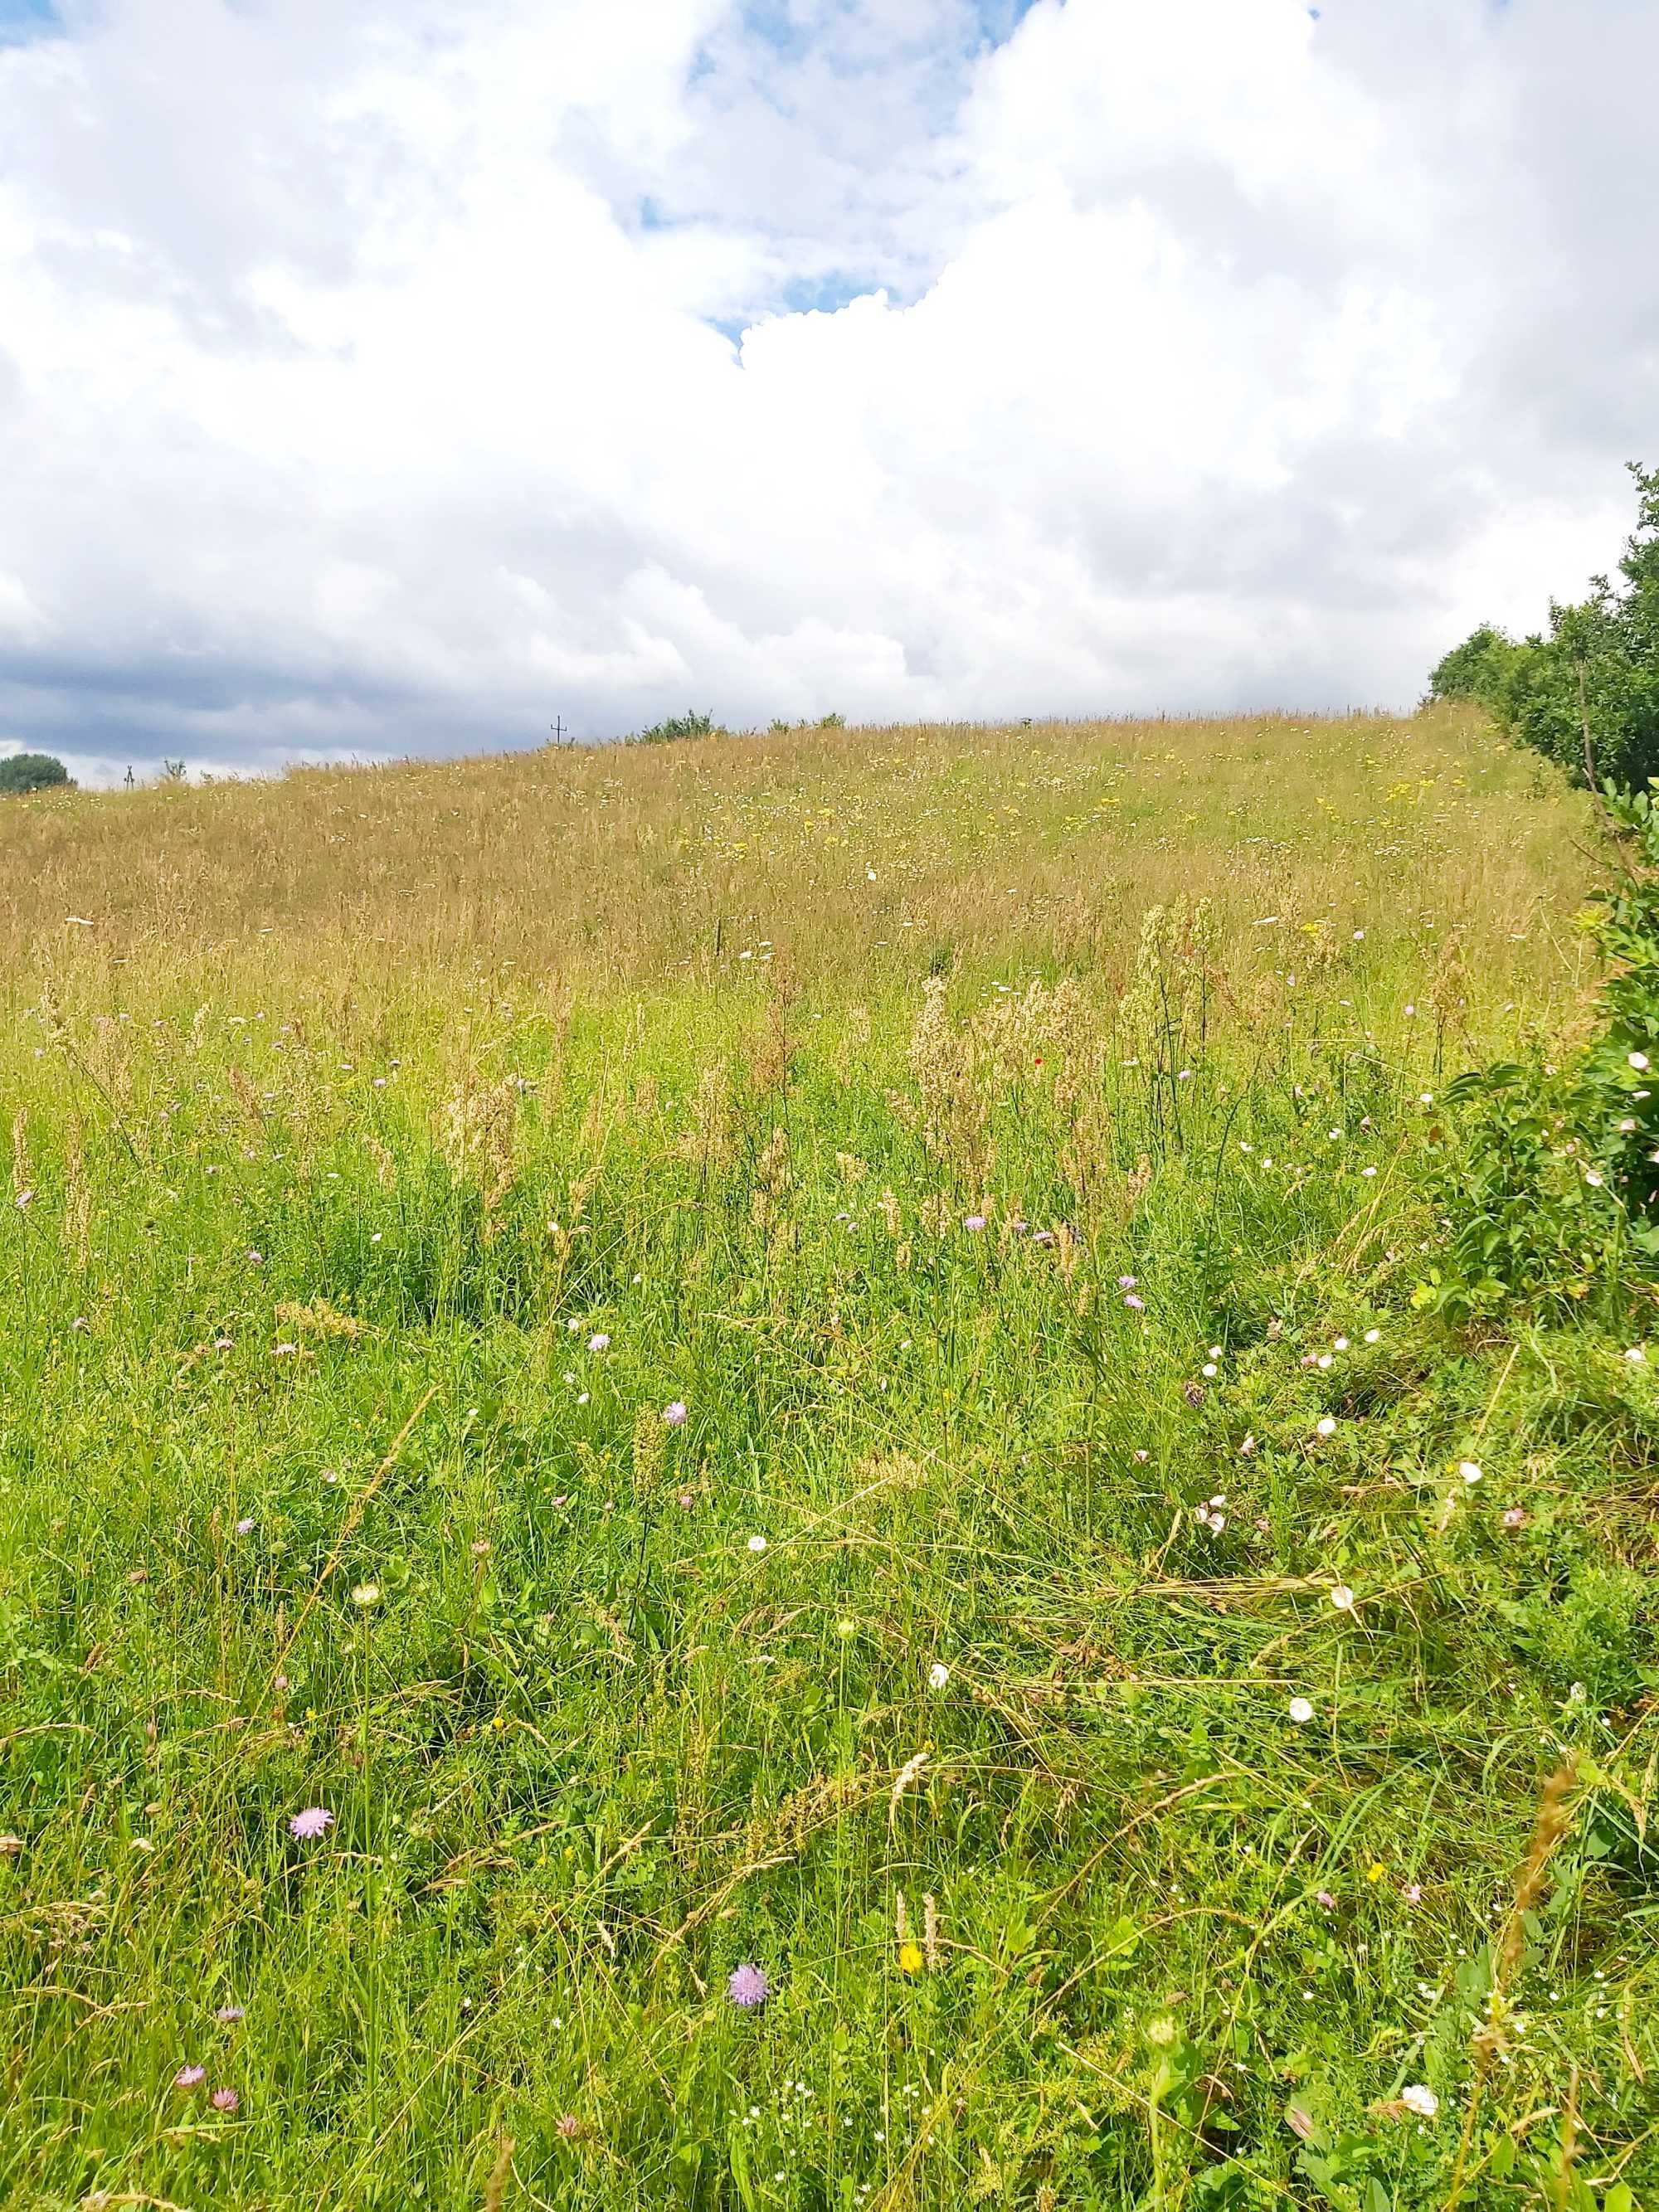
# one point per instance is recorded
(739, 1474)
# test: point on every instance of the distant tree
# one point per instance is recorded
(687, 725)
(1586, 694)
(174, 771)
(1478, 669)
(32, 772)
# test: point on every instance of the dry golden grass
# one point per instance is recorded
(854, 856)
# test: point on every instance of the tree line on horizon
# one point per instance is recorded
(1586, 694)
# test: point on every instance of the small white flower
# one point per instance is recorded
(1247, 1446)
(757, 1544)
(1340, 1344)
(1638, 1355)
(1325, 1426)
(1342, 1598)
(1638, 1060)
(1209, 1370)
(1416, 2098)
(1373, 1336)
(938, 1675)
(599, 1342)
(1426, 1097)
(1592, 1178)
(1301, 1710)
(1627, 1124)
(1469, 1469)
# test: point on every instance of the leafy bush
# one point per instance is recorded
(23, 772)
(687, 725)
(1556, 1181)
(1588, 695)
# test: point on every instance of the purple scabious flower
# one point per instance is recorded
(245, 1527)
(1135, 1305)
(973, 1221)
(190, 2077)
(1125, 1282)
(225, 2100)
(315, 1820)
(748, 1986)
(675, 1414)
(228, 2016)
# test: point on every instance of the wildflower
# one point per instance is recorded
(284, 1351)
(973, 1221)
(938, 1675)
(1342, 1598)
(1469, 1469)
(685, 1501)
(245, 1527)
(570, 2126)
(1209, 1370)
(1593, 1179)
(1413, 1892)
(1375, 1871)
(1638, 1355)
(1339, 1344)
(1323, 1897)
(748, 1986)
(1125, 1282)
(1627, 1125)
(1325, 1426)
(225, 2100)
(190, 2077)
(1135, 1305)
(1141, 1458)
(910, 1958)
(228, 2016)
(675, 1414)
(1301, 1710)
(1373, 1336)
(366, 1594)
(1416, 2098)
(315, 1820)
(255, 1259)
(1247, 1446)
(1515, 1517)
(1638, 1060)
(758, 1545)
(599, 1342)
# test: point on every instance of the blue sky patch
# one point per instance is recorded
(26, 19)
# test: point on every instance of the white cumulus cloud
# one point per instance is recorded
(391, 375)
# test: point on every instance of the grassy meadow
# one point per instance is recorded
(795, 1359)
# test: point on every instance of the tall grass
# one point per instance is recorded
(1005, 1145)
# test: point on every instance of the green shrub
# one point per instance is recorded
(687, 725)
(1555, 1182)
(23, 772)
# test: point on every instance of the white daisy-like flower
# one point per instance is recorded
(938, 1675)
(1325, 1426)
(1301, 1710)
(757, 1544)
(1342, 1598)
(1418, 2100)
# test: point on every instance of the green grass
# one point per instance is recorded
(1090, 1919)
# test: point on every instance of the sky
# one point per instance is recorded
(393, 377)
